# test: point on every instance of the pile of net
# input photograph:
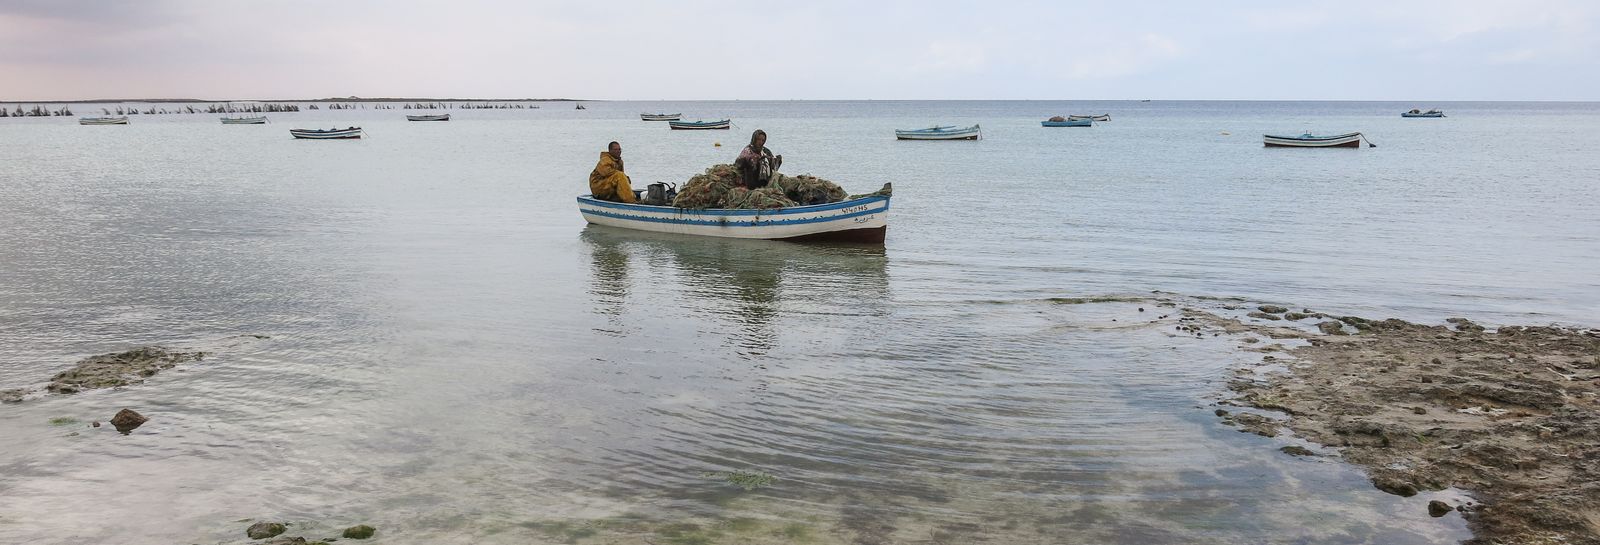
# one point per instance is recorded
(1058, 119)
(719, 187)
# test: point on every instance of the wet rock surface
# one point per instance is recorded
(1510, 415)
(359, 532)
(127, 420)
(263, 530)
(118, 369)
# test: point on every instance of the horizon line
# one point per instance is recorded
(432, 99)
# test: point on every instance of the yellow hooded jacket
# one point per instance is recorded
(607, 183)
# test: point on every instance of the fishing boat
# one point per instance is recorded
(1055, 122)
(863, 220)
(699, 125)
(103, 120)
(1419, 113)
(262, 120)
(1101, 117)
(660, 117)
(1307, 140)
(437, 117)
(947, 132)
(327, 134)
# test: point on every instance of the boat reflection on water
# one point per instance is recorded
(747, 285)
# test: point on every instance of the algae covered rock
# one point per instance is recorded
(263, 530)
(359, 532)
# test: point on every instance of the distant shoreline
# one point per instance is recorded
(349, 99)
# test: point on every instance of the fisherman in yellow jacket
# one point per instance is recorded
(607, 182)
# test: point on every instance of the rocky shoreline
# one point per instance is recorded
(1510, 415)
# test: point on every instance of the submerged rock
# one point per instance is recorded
(1331, 327)
(263, 530)
(1297, 450)
(119, 369)
(1438, 508)
(127, 420)
(1394, 486)
(359, 532)
(1264, 316)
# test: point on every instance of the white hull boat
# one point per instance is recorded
(863, 220)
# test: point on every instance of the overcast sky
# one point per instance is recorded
(814, 49)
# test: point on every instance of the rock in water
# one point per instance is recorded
(1331, 327)
(261, 530)
(127, 419)
(1272, 309)
(1394, 486)
(359, 532)
(1297, 450)
(1438, 508)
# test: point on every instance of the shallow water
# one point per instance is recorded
(455, 357)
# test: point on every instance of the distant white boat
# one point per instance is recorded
(660, 117)
(103, 120)
(1307, 140)
(949, 132)
(262, 120)
(699, 125)
(439, 117)
(1101, 117)
(327, 134)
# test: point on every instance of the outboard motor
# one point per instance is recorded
(660, 194)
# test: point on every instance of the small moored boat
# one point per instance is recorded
(261, 120)
(327, 134)
(699, 125)
(436, 117)
(103, 120)
(1059, 122)
(865, 219)
(660, 117)
(1418, 113)
(947, 132)
(1308, 140)
(1101, 117)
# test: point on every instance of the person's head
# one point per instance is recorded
(758, 139)
(614, 149)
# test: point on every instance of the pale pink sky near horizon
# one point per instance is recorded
(1357, 50)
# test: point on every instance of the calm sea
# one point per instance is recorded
(455, 358)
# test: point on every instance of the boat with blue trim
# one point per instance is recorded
(660, 117)
(1101, 117)
(862, 220)
(1419, 113)
(944, 132)
(1057, 122)
(260, 120)
(327, 134)
(700, 125)
(1308, 140)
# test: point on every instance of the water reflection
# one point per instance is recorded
(748, 284)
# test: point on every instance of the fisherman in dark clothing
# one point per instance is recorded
(756, 163)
